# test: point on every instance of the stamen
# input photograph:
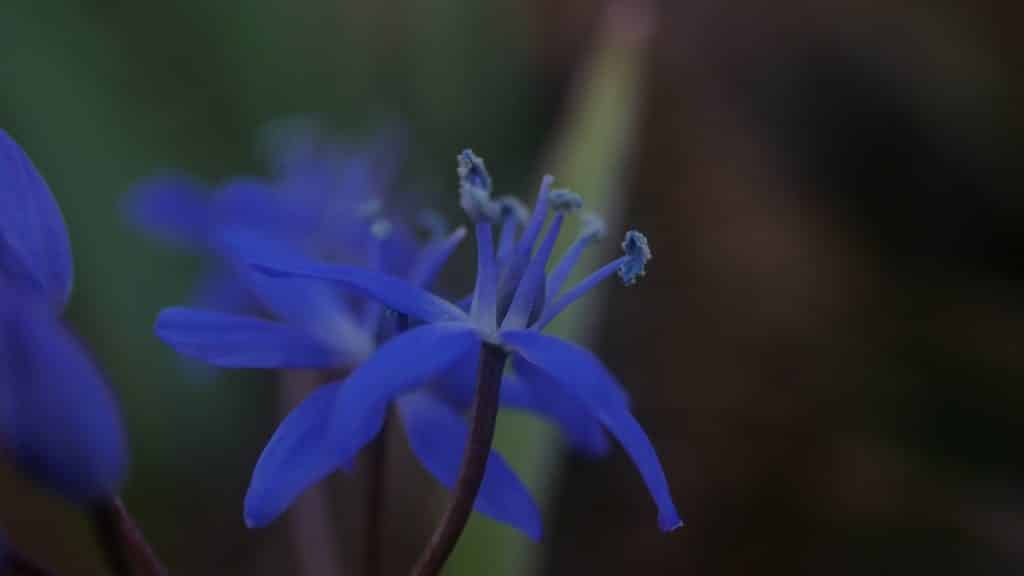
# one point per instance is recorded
(518, 261)
(482, 310)
(382, 229)
(592, 230)
(475, 188)
(629, 267)
(513, 213)
(434, 256)
(529, 295)
(370, 209)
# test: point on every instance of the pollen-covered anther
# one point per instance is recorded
(565, 200)
(381, 228)
(592, 227)
(638, 253)
(512, 207)
(475, 189)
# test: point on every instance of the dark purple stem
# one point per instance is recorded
(474, 464)
(377, 482)
(17, 564)
(123, 544)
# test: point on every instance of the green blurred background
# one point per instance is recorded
(827, 352)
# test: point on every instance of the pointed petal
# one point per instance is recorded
(583, 375)
(302, 452)
(34, 246)
(232, 341)
(274, 259)
(438, 437)
(532, 390)
(57, 416)
(408, 360)
(172, 207)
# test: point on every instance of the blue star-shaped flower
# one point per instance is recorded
(514, 299)
(307, 323)
(58, 418)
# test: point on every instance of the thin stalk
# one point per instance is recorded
(123, 543)
(377, 482)
(17, 564)
(310, 525)
(474, 464)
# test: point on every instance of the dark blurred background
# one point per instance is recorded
(826, 352)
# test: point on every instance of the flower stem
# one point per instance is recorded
(377, 488)
(122, 542)
(310, 525)
(474, 463)
(17, 564)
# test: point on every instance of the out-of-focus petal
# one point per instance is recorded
(172, 207)
(34, 246)
(59, 419)
(232, 341)
(304, 450)
(438, 439)
(583, 375)
(275, 259)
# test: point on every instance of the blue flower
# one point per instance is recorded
(58, 418)
(308, 323)
(513, 300)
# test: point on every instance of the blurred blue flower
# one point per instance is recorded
(310, 323)
(58, 418)
(513, 300)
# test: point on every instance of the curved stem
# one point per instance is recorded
(310, 525)
(474, 464)
(123, 543)
(17, 564)
(377, 482)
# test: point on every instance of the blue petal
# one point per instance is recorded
(408, 360)
(583, 375)
(438, 439)
(59, 419)
(172, 207)
(34, 246)
(232, 341)
(275, 259)
(533, 390)
(302, 452)
(314, 307)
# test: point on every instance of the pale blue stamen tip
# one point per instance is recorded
(565, 200)
(475, 189)
(370, 209)
(592, 227)
(381, 229)
(638, 253)
(432, 223)
(512, 207)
